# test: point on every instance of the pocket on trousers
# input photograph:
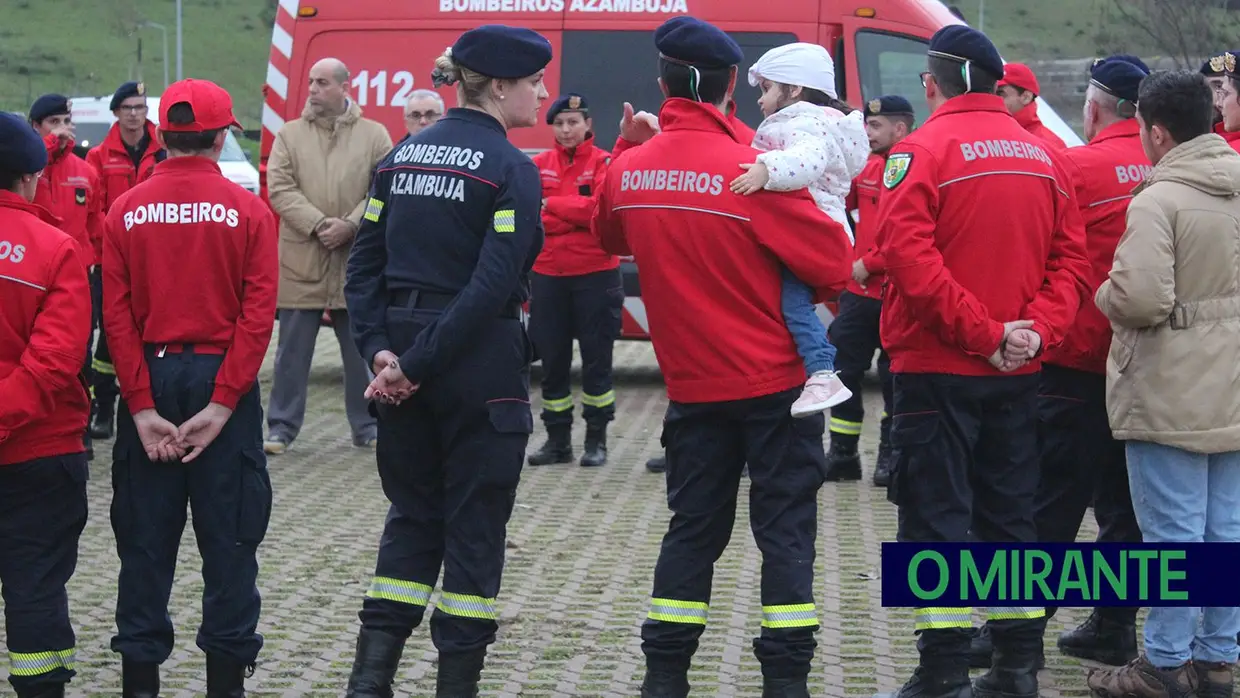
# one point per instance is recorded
(513, 422)
(254, 507)
(121, 510)
(615, 308)
(511, 416)
(909, 434)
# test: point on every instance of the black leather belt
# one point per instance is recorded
(427, 300)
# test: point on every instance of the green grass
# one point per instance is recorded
(88, 47)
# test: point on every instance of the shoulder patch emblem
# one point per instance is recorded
(896, 169)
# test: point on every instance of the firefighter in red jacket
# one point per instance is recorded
(576, 291)
(189, 339)
(964, 321)
(1080, 461)
(1019, 90)
(710, 264)
(70, 189)
(125, 157)
(1227, 98)
(854, 332)
(44, 327)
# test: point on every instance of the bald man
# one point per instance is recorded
(317, 179)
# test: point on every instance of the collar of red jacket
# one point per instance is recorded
(568, 152)
(54, 152)
(113, 141)
(13, 200)
(1229, 136)
(974, 101)
(679, 114)
(1120, 129)
(1028, 117)
(187, 163)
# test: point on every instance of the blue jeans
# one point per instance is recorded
(1184, 497)
(807, 330)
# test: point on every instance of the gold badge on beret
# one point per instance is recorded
(1217, 63)
(141, 88)
(876, 106)
(1229, 62)
(574, 102)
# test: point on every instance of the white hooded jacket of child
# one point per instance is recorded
(805, 147)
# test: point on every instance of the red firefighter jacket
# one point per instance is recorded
(570, 181)
(111, 160)
(979, 227)
(189, 258)
(1028, 120)
(1232, 137)
(44, 328)
(70, 188)
(711, 260)
(1104, 173)
(864, 200)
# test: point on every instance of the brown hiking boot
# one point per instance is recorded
(1214, 679)
(1140, 679)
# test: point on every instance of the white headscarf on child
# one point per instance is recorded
(799, 64)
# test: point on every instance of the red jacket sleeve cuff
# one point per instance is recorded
(1044, 334)
(874, 263)
(140, 400)
(226, 396)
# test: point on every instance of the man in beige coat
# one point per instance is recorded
(317, 179)
(1173, 299)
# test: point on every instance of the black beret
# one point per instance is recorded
(1215, 65)
(124, 92)
(691, 41)
(21, 149)
(962, 43)
(1133, 60)
(48, 105)
(500, 51)
(1118, 77)
(568, 102)
(888, 105)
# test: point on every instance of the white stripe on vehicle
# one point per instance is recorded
(637, 310)
(277, 81)
(271, 120)
(282, 41)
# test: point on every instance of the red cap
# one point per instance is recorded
(1020, 75)
(211, 104)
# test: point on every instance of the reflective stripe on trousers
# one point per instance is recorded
(607, 399)
(673, 611)
(1014, 613)
(400, 591)
(801, 615)
(38, 663)
(938, 618)
(845, 427)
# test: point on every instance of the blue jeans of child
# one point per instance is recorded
(1184, 497)
(808, 332)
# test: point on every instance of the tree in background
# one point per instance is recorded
(1185, 31)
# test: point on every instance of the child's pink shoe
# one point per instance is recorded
(823, 391)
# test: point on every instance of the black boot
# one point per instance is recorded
(664, 683)
(883, 466)
(226, 676)
(557, 449)
(1014, 675)
(843, 462)
(1108, 636)
(981, 648)
(596, 447)
(139, 679)
(785, 687)
(43, 690)
(934, 684)
(104, 425)
(657, 464)
(374, 664)
(459, 674)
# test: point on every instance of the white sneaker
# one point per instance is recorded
(823, 391)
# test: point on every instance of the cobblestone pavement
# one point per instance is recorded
(583, 543)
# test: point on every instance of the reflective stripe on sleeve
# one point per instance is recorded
(673, 611)
(935, 618)
(400, 591)
(374, 207)
(801, 615)
(39, 663)
(505, 221)
(1014, 613)
(845, 427)
(467, 606)
(607, 399)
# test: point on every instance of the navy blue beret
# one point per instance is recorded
(21, 149)
(1215, 66)
(1133, 60)
(888, 105)
(500, 51)
(569, 102)
(124, 92)
(691, 41)
(1117, 76)
(963, 43)
(48, 105)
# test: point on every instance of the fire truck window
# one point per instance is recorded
(891, 64)
(614, 67)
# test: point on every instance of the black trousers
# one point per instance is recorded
(42, 516)
(450, 459)
(586, 308)
(104, 388)
(1080, 463)
(854, 332)
(229, 491)
(966, 460)
(708, 445)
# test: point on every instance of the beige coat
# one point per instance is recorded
(320, 168)
(1173, 298)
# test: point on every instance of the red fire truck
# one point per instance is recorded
(603, 49)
